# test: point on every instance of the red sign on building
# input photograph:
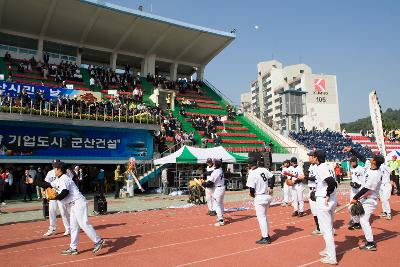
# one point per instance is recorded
(319, 85)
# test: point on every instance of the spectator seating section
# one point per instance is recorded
(237, 134)
(366, 141)
(332, 142)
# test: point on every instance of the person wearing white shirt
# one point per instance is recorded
(312, 185)
(368, 195)
(261, 185)
(325, 198)
(69, 194)
(297, 176)
(209, 191)
(53, 204)
(357, 181)
(287, 190)
(216, 181)
(385, 192)
(164, 181)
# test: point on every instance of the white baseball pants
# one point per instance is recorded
(209, 199)
(313, 204)
(369, 206)
(325, 214)
(53, 204)
(287, 193)
(218, 204)
(354, 219)
(298, 198)
(261, 204)
(384, 194)
(79, 219)
(129, 188)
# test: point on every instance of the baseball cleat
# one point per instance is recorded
(284, 204)
(316, 232)
(219, 223)
(98, 246)
(388, 217)
(212, 213)
(354, 226)
(69, 251)
(326, 260)
(294, 214)
(368, 246)
(323, 253)
(301, 214)
(264, 240)
(66, 233)
(50, 232)
(382, 215)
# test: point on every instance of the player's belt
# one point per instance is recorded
(311, 187)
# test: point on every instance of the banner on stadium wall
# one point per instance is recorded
(48, 92)
(376, 119)
(19, 140)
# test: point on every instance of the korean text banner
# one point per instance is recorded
(39, 141)
(48, 92)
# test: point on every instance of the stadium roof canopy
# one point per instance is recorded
(95, 25)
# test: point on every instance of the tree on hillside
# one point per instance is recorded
(391, 120)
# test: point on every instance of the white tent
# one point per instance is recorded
(188, 154)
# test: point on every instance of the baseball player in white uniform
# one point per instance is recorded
(53, 204)
(261, 185)
(325, 198)
(385, 191)
(297, 176)
(368, 195)
(287, 190)
(357, 181)
(216, 181)
(312, 184)
(209, 191)
(69, 195)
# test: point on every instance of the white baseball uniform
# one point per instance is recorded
(258, 180)
(385, 189)
(297, 189)
(287, 190)
(53, 204)
(357, 176)
(77, 205)
(210, 191)
(370, 202)
(311, 187)
(217, 177)
(325, 210)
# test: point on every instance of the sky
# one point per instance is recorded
(356, 40)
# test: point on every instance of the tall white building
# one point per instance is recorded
(287, 98)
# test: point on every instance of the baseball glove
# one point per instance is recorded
(357, 209)
(289, 182)
(51, 193)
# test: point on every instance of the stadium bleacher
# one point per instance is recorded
(370, 143)
(332, 142)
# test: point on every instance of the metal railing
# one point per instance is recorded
(47, 109)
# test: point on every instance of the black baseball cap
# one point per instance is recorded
(59, 164)
(293, 160)
(55, 161)
(252, 162)
(320, 154)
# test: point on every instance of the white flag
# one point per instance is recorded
(376, 119)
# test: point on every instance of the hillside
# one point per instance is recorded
(391, 120)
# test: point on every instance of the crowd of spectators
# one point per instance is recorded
(103, 78)
(180, 85)
(390, 135)
(330, 141)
